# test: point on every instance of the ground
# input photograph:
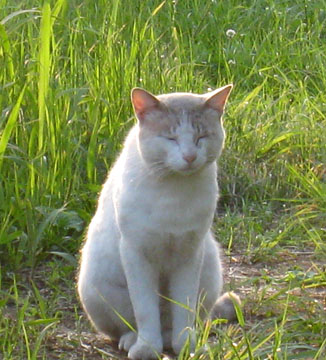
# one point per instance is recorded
(266, 290)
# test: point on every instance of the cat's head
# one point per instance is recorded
(180, 132)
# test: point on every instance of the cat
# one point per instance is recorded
(150, 257)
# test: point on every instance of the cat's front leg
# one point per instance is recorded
(142, 279)
(184, 287)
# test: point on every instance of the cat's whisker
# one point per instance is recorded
(157, 169)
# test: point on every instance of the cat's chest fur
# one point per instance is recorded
(173, 204)
(166, 217)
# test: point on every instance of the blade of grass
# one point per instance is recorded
(10, 126)
(44, 69)
(321, 351)
(5, 43)
(17, 13)
(60, 6)
(92, 147)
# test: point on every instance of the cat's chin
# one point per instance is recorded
(188, 171)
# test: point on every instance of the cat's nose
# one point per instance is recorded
(190, 158)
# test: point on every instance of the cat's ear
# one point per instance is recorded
(216, 100)
(143, 102)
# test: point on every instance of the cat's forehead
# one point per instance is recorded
(181, 112)
(182, 101)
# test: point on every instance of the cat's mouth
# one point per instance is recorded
(189, 169)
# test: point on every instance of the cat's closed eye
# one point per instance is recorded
(200, 137)
(170, 138)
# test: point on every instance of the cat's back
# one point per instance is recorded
(103, 227)
(121, 173)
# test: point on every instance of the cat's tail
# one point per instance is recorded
(224, 307)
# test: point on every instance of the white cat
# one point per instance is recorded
(150, 255)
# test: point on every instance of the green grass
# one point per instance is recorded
(67, 68)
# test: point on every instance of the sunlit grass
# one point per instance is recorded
(67, 68)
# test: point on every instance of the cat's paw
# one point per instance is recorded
(143, 350)
(186, 337)
(127, 340)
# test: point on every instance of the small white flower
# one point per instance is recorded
(230, 33)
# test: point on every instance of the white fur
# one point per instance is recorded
(151, 234)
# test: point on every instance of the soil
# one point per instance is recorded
(73, 337)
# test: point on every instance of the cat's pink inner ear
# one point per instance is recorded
(143, 102)
(217, 99)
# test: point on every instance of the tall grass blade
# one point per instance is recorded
(5, 43)
(252, 95)
(309, 184)
(158, 8)
(10, 126)
(278, 139)
(91, 152)
(44, 69)
(59, 6)
(17, 13)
